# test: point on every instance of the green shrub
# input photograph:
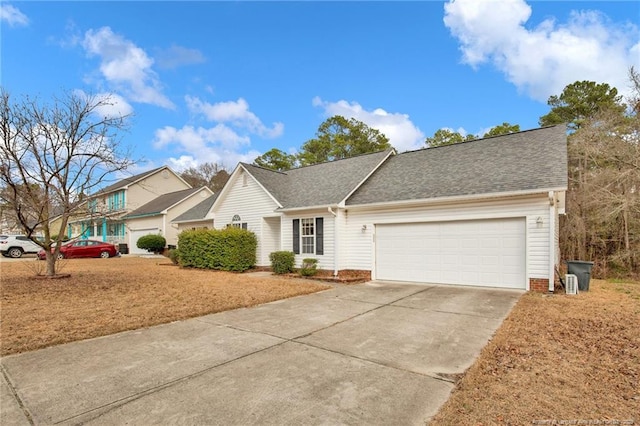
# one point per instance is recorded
(174, 255)
(309, 267)
(282, 262)
(229, 249)
(152, 242)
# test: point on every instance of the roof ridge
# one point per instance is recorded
(483, 139)
(342, 159)
(263, 168)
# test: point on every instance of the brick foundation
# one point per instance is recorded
(540, 285)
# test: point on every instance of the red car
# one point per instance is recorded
(84, 248)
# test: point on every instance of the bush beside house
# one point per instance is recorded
(152, 242)
(282, 262)
(230, 249)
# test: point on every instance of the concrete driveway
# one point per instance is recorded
(375, 353)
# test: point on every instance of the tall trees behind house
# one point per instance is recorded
(603, 201)
(444, 136)
(336, 138)
(212, 175)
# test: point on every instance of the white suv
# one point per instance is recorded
(17, 245)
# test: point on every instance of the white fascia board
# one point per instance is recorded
(318, 207)
(192, 220)
(342, 203)
(453, 199)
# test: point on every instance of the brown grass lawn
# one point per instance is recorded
(105, 296)
(557, 358)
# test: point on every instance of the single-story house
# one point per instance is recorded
(479, 213)
(155, 216)
(198, 217)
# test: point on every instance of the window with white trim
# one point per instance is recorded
(308, 235)
(237, 222)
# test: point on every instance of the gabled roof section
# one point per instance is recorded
(161, 203)
(197, 212)
(130, 180)
(322, 184)
(524, 161)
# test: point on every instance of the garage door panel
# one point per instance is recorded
(482, 252)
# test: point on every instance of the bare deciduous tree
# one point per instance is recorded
(52, 155)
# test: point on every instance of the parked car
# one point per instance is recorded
(17, 245)
(84, 248)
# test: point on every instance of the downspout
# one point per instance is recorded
(335, 241)
(552, 241)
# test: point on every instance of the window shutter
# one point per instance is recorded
(319, 235)
(296, 236)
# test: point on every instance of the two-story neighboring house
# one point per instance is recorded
(103, 214)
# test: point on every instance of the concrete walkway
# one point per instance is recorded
(375, 353)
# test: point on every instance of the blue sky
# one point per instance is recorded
(227, 81)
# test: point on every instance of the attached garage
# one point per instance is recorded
(490, 253)
(135, 235)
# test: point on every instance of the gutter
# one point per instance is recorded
(455, 198)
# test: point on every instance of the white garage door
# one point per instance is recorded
(482, 252)
(137, 233)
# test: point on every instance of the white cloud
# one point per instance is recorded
(402, 133)
(176, 56)
(12, 16)
(542, 60)
(114, 104)
(126, 66)
(236, 113)
(219, 144)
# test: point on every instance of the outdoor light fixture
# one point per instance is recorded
(539, 221)
(364, 228)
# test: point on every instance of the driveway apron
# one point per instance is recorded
(374, 353)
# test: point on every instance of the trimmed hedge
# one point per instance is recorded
(309, 267)
(152, 242)
(229, 249)
(282, 262)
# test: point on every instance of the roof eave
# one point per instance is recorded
(316, 207)
(456, 198)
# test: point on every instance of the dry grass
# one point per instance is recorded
(557, 358)
(108, 296)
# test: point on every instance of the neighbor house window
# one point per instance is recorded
(308, 236)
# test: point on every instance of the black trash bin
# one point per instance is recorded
(123, 248)
(582, 270)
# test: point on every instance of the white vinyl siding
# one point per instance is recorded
(358, 245)
(251, 203)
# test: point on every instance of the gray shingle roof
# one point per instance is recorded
(317, 185)
(528, 160)
(127, 181)
(161, 203)
(199, 211)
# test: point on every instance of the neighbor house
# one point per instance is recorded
(155, 217)
(102, 217)
(479, 213)
(198, 217)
